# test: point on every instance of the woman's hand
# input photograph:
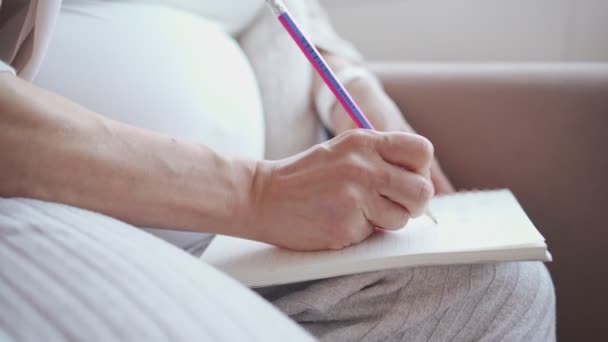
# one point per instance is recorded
(335, 194)
(385, 116)
(440, 181)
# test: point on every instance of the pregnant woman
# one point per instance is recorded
(192, 118)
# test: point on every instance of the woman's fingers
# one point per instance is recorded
(440, 180)
(383, 213)
(333, 195)
(410, 190)
(395, 165)
(408, 150)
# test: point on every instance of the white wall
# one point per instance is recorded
(475, 30)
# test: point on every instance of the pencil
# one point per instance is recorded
(323, 69)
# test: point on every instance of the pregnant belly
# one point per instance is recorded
(159, 69)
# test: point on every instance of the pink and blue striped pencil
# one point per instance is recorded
(317, 61)
(323, 69)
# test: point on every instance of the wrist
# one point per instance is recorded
(220, 196)
(351, 77)
(247, 216)
(244, 187)
(365, 92)
(375, 103)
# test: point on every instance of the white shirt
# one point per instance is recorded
(6, 67)
(233, 16)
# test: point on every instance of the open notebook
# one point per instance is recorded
(473, 227)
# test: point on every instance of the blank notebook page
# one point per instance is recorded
(473, 227)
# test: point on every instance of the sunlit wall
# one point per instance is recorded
(475, 30)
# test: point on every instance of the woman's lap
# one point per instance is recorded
(491, 302)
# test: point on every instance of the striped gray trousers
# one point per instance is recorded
(68, 274)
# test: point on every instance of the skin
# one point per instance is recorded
(381, 111)
(335, 194)
(331, 196)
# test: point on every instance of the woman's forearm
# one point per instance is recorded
(369, 95)
(327, 197)
(375, 103)
(55, 150)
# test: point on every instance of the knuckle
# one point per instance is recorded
(341, 235)
(349, 236)
(384, 178)
(356, 168)
(349, 196)
(424, 191)
(425, 147)
(397, 219)
(402, 217)
(358, 231)
(324, 148)
(386, 139)
(359, 137)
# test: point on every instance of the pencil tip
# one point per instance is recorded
(430, 215)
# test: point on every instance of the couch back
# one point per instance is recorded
(542, 131)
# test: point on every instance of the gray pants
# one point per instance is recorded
(494, 302)
(72, 275)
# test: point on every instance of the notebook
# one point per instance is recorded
(473, 227)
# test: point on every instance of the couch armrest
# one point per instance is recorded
(540, 130)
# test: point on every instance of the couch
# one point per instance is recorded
(540, 130)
